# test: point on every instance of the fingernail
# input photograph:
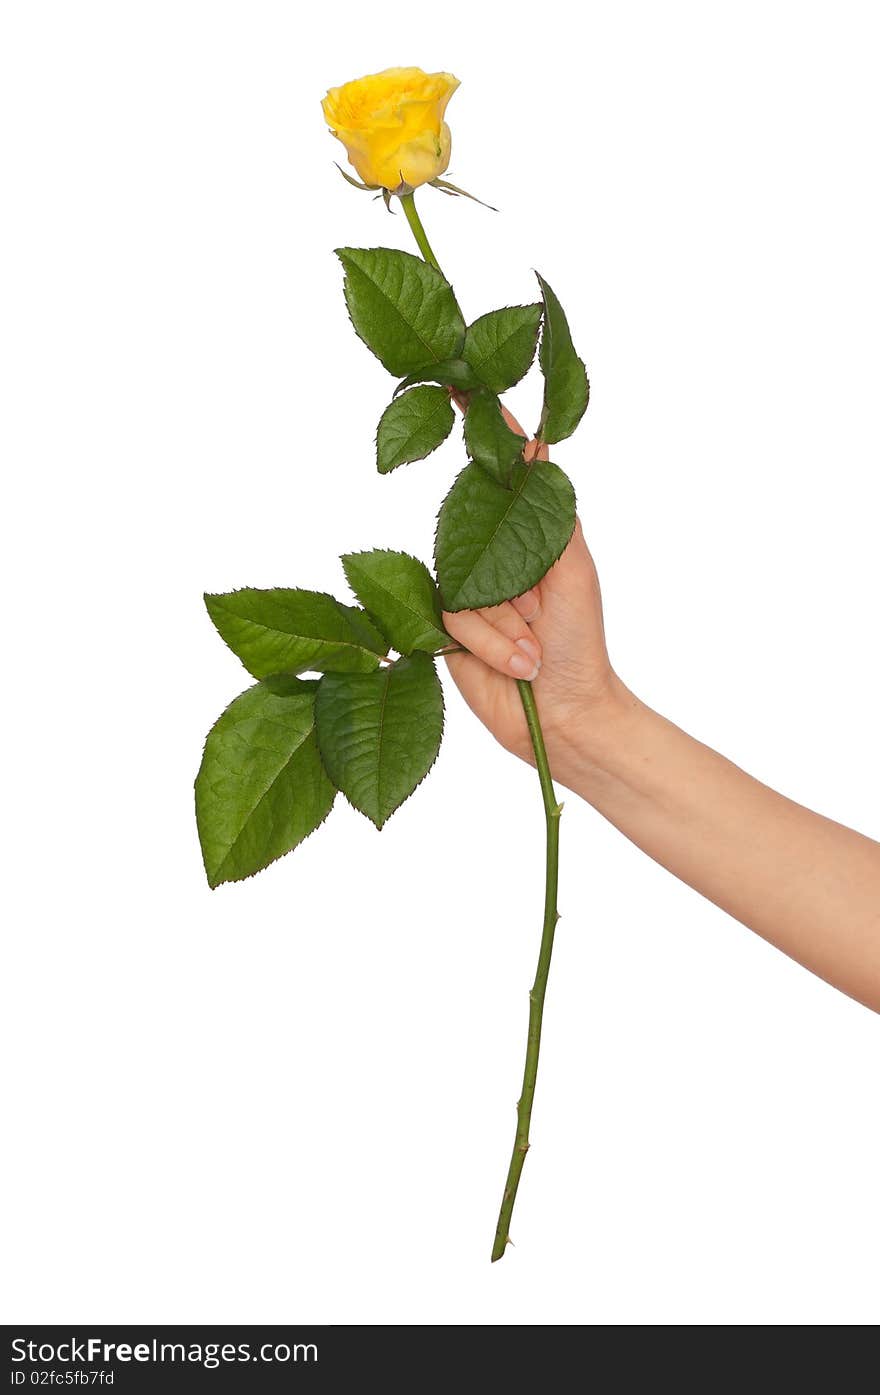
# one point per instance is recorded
(528, 646)
(521, 667)
(532, 615)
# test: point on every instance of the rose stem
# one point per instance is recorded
(412, 217)
(552, 811)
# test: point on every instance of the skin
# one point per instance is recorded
(809, 886)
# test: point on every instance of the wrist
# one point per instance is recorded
(587, 740)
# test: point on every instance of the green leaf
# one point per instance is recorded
(379, 733)
(261, 787)
(489, 440)
(402, 308)
(453, 372)
(566, 389)
(412, 426)
(500, 346)
(399, 593)
(494, 543)
(289, 631)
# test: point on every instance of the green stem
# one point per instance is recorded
(408, 202)
(552, 811)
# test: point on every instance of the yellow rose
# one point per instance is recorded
(392, 125)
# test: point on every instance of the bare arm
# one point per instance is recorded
(808, 885)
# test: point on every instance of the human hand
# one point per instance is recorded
(554, 636)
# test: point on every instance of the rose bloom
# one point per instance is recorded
(392, 126)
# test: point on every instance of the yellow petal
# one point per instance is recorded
(391, 124)
(426, 157)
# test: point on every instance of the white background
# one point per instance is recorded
(292, 1099)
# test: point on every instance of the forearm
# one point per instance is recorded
(808, 885)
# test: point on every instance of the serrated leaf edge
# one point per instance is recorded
(327, 643)
(225, 881)
(530, 465)
(532, 304)
(340, 253)
(380, 824)
(515, 435)
(545, 329)
(410, 459)
(393, 552)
